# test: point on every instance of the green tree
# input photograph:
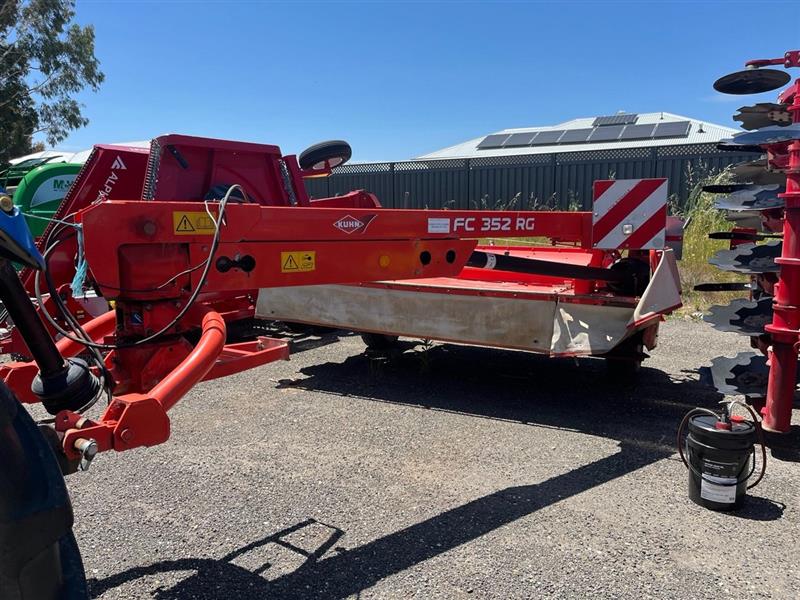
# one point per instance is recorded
(45, 60)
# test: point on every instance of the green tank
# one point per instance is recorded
(41, 191)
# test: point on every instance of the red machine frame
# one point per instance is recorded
(134, 246)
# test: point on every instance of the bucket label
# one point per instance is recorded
(710, 489)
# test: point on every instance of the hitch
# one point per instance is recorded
(88, 450)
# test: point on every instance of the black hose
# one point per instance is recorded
(18, 304)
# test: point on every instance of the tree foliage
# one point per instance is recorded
(45, 60)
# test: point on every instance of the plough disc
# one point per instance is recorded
(745, 374)
(774, 134)
(757, 172)
(752, 81)
(756, 197)
(742, 316)
(749, 258)
(763, 114)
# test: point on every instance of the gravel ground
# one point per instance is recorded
(456, 472)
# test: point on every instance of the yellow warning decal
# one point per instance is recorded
(298, 262)
(192, 223)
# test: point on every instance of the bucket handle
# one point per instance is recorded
(701, 475)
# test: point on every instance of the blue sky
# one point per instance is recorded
(400, 79)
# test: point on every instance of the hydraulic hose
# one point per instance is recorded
(19, 306)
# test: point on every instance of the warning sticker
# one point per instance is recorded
(192, 223)
(298, 262)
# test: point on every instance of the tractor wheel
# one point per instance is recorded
(40, 557)
(325, 154)
(379, 341)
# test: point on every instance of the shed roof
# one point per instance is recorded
(700, 132)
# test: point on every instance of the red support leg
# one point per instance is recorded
(786, 319)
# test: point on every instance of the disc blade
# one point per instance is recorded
(742, 316)
(752, 197)
(733, 286)
(725, 188)
(745, 219)
(749, 258)
(763, 114)
(752, 81)
(745, 374)
(730, 146)
(758, 173)
(774, 134)
(741, 236)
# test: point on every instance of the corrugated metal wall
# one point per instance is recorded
(559, 180)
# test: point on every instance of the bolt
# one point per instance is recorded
(126, 435)
(149, 228)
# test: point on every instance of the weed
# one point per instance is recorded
(703, 219)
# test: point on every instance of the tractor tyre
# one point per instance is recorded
(39, 557)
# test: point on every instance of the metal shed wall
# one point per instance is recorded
(561, 180)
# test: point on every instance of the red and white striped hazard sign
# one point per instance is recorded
(629, 213)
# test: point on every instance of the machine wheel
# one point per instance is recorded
(625, 361)
(40, 557)
(379, 341)
(623, 369)
(306, 329)
(325, 154)
(638, 273)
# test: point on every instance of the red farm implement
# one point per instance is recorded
(767, 191)
(196, 235)
(580, 297)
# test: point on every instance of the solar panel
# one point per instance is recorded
(575, 136)
(674, 129)
(638, 132)
(519, 139)
(615, 120)
(544, 138)
(606, 134)
(493, 141)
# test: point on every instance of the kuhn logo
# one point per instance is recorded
(118, 164)
(350, 224)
